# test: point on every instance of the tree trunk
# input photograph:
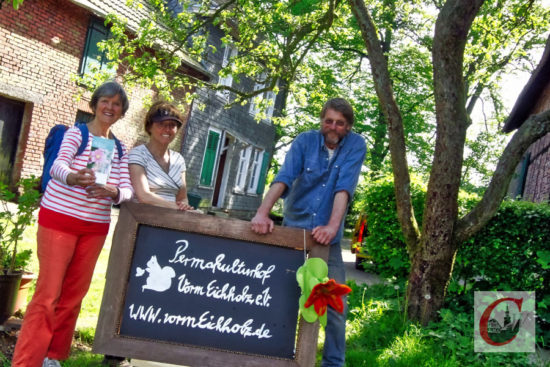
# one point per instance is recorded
(432, 266)
(430, 272)
(396, 134)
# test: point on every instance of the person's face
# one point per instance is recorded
(109, 109)
(164, 132)
(334, 127)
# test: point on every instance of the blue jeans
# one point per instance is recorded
(334, 352)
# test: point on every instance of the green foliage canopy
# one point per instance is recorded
(313, 50)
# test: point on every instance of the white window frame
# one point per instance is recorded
(267, 95)
(253, 110)
(255, 171)
(270, 95)
(242, 171)
(229, 52)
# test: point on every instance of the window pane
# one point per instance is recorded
(255, 171)
(243, 168)
(93, 57)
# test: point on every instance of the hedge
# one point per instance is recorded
(512, 252)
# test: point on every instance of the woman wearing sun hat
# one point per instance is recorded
(157, 172)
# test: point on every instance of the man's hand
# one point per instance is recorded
(261, 224)
(324, 234)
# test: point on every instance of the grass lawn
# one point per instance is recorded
(378, 333)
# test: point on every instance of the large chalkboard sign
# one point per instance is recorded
(199, 290)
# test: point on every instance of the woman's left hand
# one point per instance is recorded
(97, 191)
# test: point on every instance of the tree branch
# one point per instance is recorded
(383, 86)
(534, 128)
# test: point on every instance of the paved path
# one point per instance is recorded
(359, 276)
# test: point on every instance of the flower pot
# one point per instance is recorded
(9, 287)
(24, 286)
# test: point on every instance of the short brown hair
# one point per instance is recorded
(162, 111)
(109, 89)
(340, 105)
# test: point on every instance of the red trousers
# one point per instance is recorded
(67, 263)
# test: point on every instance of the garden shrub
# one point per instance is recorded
(384, 241)
(511, 253)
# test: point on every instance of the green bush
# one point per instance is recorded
(511, 253)
(385, 241)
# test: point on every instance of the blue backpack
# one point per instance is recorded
(53, 143)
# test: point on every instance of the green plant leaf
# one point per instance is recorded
(543, 258)
(317, 267)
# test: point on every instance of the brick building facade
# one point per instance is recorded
(43, 45)
(41, 49)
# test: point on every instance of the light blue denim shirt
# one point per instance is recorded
(312, 179)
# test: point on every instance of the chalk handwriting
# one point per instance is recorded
(225, 292)
(236, 267)
(206, 321)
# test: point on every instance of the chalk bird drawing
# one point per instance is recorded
(159, 279)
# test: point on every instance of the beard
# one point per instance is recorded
(332, 138)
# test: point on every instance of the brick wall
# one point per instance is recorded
(41, 47)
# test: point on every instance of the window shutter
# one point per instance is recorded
(263, 174)
(209, 158)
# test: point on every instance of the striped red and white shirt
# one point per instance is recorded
(72, 200)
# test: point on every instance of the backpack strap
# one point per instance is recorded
(118, 146)
(84, 132)
(51, 148)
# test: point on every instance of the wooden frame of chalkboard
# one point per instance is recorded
(166, 264)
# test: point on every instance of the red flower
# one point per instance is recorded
(328, 293)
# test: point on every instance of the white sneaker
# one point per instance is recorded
(50, 363)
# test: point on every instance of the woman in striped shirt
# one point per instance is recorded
(73, 222)
(158, 173)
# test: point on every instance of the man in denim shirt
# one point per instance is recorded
(317, 181)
